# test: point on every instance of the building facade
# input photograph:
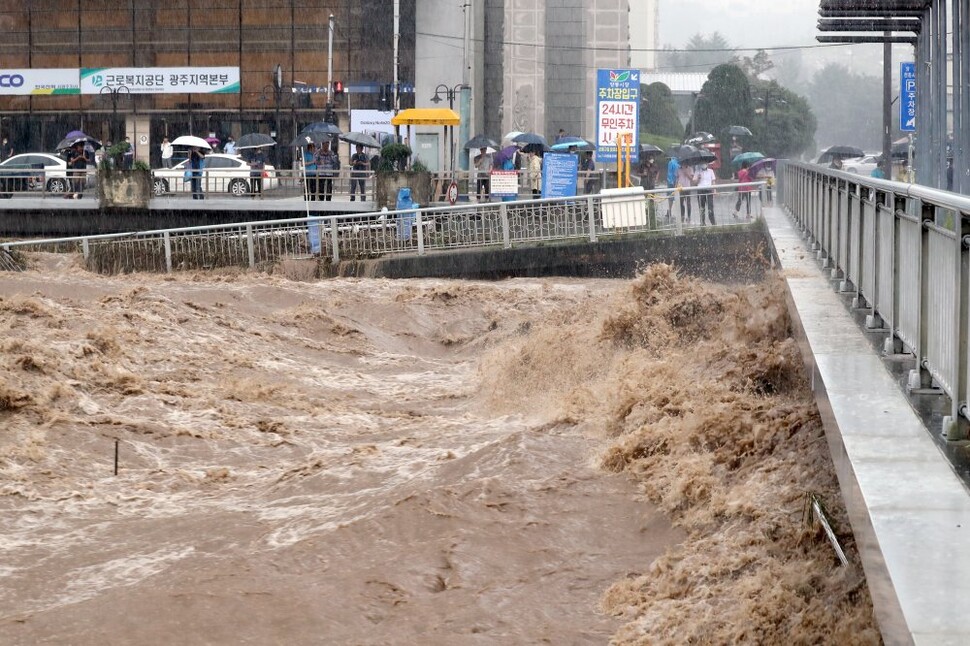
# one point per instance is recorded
(280, 48)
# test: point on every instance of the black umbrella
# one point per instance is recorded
(699, 157)
(844, 151)
(738, 131)
(255, 140)
(531, 138)
(324, 127)
(312, 137)
(67, 142)
(535, 148)
(650, 149)
(361, 138)
(900, 150)
(683, 151)
(700, 138)
(480, 141)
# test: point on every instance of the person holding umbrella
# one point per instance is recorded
(483, 166)
(744, 192)
(257, 163)
(359, 163)
(196, 160)
(77, 161)
(328, 164)
(310, 172)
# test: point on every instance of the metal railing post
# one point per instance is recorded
(591, 214)
(334, 239)
(419, 221)
(85, 248)
(167, 241)
(250, 246)
(503, 213)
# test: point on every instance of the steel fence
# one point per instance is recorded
(904, 251)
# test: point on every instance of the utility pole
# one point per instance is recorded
(887, 116)
(466, 89)
(397, 40)
(330, 67)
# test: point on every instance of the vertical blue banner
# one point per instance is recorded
(617, 112)
(907, 97)
(559, 172)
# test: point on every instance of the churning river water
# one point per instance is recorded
(354, 461)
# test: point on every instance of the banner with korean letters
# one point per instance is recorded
(617, 112)
(39, 81)
(160, 80)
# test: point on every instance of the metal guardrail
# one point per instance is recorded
(904, 251)
(419, 231)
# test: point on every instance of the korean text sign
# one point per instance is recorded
(161, 80)
(617, 112)
(907, 97)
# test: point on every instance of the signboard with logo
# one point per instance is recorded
(617, 112)
(907, 97)
(50, 81)
(371, 121)
(503, 184)
(160, 80)
(559, 172)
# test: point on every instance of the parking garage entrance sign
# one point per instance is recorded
(617, 112)
(907, 97)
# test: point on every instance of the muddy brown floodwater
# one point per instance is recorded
(349, 461)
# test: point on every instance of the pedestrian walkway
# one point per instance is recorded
(909, 510)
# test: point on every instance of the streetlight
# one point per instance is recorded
(277, 90)
(450, 94)
(114, 93)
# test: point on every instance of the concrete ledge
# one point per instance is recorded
(717, 254)
(909, 511)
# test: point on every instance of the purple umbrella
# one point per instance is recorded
(213, 141)
(505, 154)
(761, 164)
(77, 134)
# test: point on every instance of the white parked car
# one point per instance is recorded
(35, 171)
(861, 165)
(221, 173)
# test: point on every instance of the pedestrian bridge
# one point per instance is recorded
(877, 276)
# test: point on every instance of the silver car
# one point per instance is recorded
(221, 173)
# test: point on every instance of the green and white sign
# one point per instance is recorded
(160, 80)
(39, 82)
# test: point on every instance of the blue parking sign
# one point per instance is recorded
(907, 97)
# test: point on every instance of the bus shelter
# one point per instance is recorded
(443, 117)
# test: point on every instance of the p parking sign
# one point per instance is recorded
(907, 97)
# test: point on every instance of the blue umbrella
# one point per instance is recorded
(747, 157)
(571, 142)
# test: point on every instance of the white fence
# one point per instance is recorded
(372, 235)
(904, 250)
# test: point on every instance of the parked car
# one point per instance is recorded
(33, 171)
(861, 165)
(220, 173)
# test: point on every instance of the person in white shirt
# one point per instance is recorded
(685, 179)
(167, 151)
(705, 196)
(230, 147)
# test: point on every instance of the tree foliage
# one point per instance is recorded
(784, 124)
(755, 66)
(849, 106)
(700, 54)
(725, 100)
(658, 113)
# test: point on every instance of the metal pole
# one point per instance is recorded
(329, 62)
(887, 116)
(941, 76)
(397, 42)
(964, 34)
(958, 91)
(464, 133)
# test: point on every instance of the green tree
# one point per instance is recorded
(755, 66)
(784, 124)
(701, 53)
(658, 113)
(849, 107)
(724, 100)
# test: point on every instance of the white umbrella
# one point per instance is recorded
(189, 140)
(512, 135)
